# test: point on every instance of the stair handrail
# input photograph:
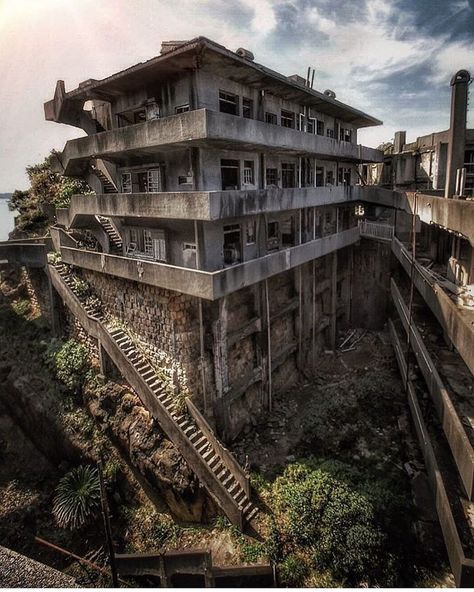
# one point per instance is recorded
(240, 475)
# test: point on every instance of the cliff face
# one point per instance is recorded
(155, 461)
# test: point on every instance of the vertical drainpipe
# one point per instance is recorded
(457, 129)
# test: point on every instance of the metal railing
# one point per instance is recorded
(376, 230)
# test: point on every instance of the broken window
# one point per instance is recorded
(250, 232)
(310, 125)
(247, 108)
(230, 174)
(330, 178)
(287, 119)
(344, 176)
(271, 177)
(319, 176)
(181, 108)
(273, 236)
(344, 134)
(228, 103)
(287, 232)
(248, 172)
(320, 127)
(232, 244)
(271, 118)
(330, 133)
(287, 174)
(126, 182)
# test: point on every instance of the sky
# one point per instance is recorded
(392, 59)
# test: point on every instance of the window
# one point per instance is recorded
(287, 232)
(330, 178)
(271, 118)
(271, 177)
(310, 125)
(344, 176)
(230, 174)
(181, 108)
(330, 133)
(228, 103)
(232, 246)
(287, 174)
(273, 236)
(153, 180)
(189, 246)
(320, 127)
(248, 172)
(319, 176)
(185, 180)
(250, 232)
(287, 119)
(126, 182)
(247, 108)
(344, 134)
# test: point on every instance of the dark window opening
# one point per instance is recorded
(287, 119)
(344, 176)
(247, 108)
(319, 176)
(250, 233)
(344, 134)
(232, 244)
(271, 177)
(320, 127)
(330, 178)
(273, 236)
(310, 125)
(288, 232)
(230, 173)
(228, 103)
(287, 174)
(330, 133)
(271, 118)
(131, 117)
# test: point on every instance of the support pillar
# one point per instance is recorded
(333, 325)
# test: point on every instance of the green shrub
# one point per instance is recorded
(292, 571)
(331, 520)
(77, 498)
(250, 552)
(81, 287)
(70, 363)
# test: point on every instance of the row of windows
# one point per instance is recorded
(230, 103)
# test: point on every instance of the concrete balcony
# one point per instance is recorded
(457, 322)
(213, 205)
(206, 128)
(204, 284)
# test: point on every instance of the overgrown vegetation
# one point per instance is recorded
(47, 189)
(69, 362)
(77, 499)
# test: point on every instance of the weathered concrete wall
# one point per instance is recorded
(371, 284)
(38, 289)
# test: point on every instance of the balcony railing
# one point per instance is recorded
(376, 230)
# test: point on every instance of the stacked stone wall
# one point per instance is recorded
(37, 287)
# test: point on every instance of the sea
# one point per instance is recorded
(6, 218)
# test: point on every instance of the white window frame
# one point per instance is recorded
(126, 183)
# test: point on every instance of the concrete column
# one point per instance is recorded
(457, 129)
(333, 325)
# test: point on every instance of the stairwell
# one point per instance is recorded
(213, 464)
(107, 184)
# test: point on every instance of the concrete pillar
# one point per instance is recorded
(399, 141)
(457, 129)
(333, 325)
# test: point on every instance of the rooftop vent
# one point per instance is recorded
(330, 93)
(298, 79)
(167, 46)
(245, 53)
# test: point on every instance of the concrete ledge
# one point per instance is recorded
(454, 431)
(29, 253)
(456, 323)
(213, 205)
(204, 127)
(204, 284)
(462, 566)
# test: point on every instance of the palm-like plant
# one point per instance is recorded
(77, 497)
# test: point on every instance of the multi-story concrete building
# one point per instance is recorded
(230, 234)
(224, 191)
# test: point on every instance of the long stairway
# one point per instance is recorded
(116, 244)
(203, 452)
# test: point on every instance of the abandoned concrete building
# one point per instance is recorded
(231, 234)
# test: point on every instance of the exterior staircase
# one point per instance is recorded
(107, 184)
(213, 464)
(116, 244)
